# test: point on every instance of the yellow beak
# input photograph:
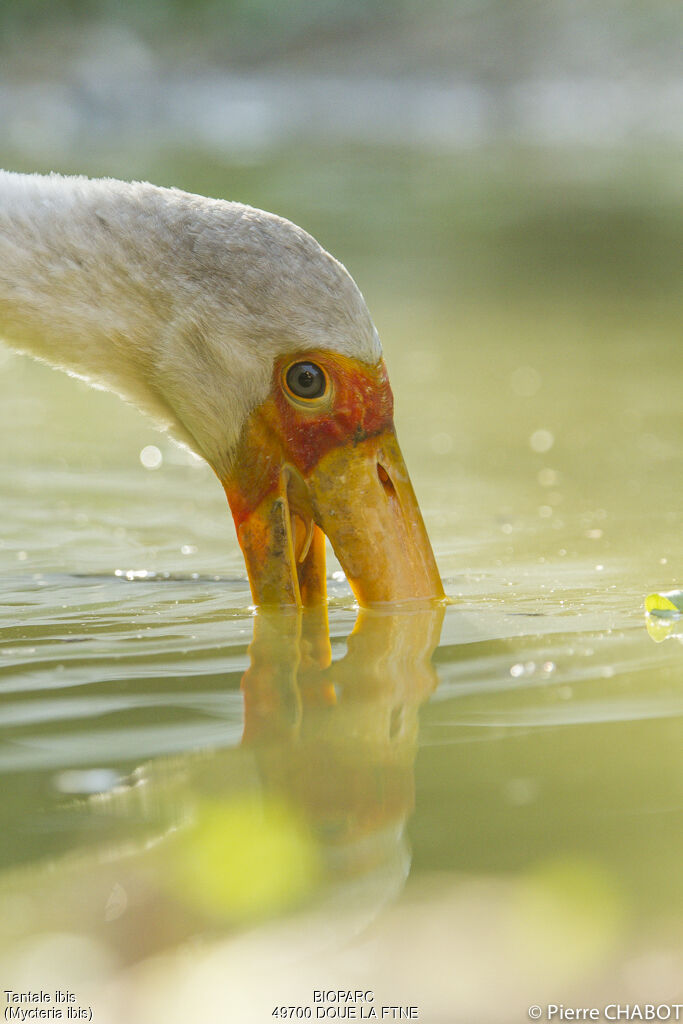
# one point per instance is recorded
(359, 495)
(364, 502)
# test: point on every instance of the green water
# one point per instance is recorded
(470, 815)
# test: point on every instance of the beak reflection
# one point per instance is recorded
(337, 740)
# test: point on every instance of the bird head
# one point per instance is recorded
(319, 457)
(283, 389)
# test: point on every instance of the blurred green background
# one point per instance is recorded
(461, 147)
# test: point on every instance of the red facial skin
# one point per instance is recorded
(361, 405)
(357, 405)
(329, 467)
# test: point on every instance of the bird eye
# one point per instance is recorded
(306, 380)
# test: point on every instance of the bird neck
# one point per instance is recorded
(90, 281)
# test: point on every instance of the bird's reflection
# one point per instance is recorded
(308, 810)
(337, 739)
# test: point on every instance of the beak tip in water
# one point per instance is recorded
(359, 496)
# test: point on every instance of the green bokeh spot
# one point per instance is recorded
(246, 858)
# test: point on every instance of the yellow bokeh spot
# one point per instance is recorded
(568, 914)
(246, 857)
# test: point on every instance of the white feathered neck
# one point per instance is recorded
(178, 303)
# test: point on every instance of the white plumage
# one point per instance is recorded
(178, 303)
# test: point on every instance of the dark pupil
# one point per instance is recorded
(306, 380)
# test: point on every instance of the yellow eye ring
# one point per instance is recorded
(306, 383)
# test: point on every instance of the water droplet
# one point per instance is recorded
(137, 574)
(151, 457)
(188, 549)
(517, 670)
(441, 444)
(521, 791)
(541, 440)
(548, 477)
(86, 780)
